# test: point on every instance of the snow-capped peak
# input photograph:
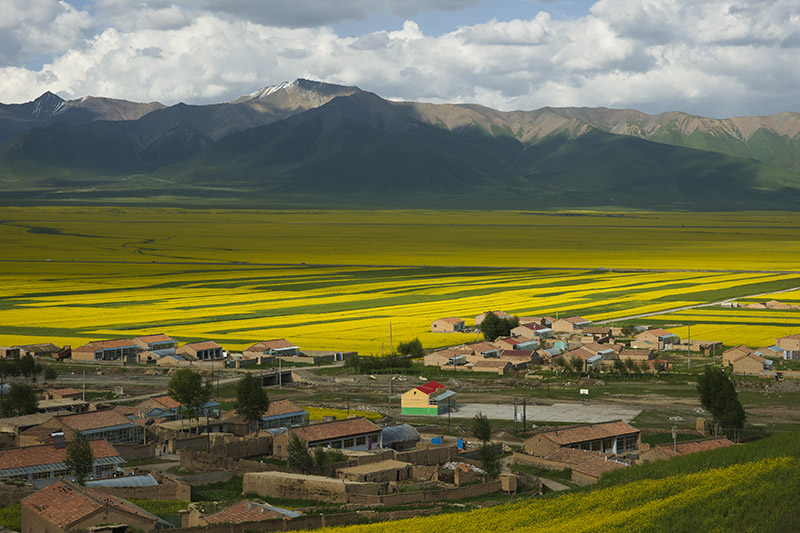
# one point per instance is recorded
(265, 91)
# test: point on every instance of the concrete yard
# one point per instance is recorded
(559, 412)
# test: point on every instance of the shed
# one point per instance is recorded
(399, 437)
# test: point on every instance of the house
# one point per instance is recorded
(281, 413)
(65, 506)
(532, 331)
(45, 464)
(545, 321)
(347, 434)
(498, 314)
(662, 452)
(615, 437)
(597, 334)
(496, 366)
(241, 512)
(590, 358)
(521, 358)
(751, 364)
(441, 357)
(512, 343)
(478, 350)
(791, 344)
(10, 353)
(159, 344)
(110, 350)
(734, 354)
(110, 425)
(430, 399)
(660, 339)
(167, 408)
(447, 325)
(274, 348)
(637, 355)
(570, 324)
(45, 349)
(70, 393)
(200, 351)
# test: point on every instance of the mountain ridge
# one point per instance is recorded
(314, 141)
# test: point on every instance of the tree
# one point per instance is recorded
(494, 326)
(481, 428)
(80, 459)
(577, 363)
(20, 400)
(619, 366)
(187, 388)
(298, 455)
(629, 330)
(50, 373)
(411, 349)
(718, 395)
(28, 367)
(251, 399)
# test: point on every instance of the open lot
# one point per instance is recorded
(559, 412)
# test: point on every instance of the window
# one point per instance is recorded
(336, 444)
(41, 475)
(361, 441)
(348, 443)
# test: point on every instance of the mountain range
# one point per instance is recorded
(311, 144)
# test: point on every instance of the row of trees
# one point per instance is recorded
(25, 366)
(718, 396)
(576, 365)
(303, 459)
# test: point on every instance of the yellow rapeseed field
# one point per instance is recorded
(354, 280)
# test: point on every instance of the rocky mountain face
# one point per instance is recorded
(310, 142)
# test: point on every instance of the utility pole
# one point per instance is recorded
(674, 442)
(524, 415)
(280, 372)
(515, 415)
(391, 342)
(689, 348)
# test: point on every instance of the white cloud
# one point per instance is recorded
(710, 57)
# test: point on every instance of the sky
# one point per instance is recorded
(713, 58)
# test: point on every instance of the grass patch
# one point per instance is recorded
(230, 490)
(11, 517)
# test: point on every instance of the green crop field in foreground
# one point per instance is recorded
(344, 280)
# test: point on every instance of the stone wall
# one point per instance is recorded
(403, 498)
(298, 486)
(163, 492)
(132, 452)
(311, 521)
(428, 456)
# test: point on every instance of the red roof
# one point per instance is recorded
(430, 387)
(337, 429)
(93, 420)
(100, 345)
(47, 454)
(244, 511)
(63, 503)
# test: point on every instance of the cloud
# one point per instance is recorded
(656, 55)
(32, 27)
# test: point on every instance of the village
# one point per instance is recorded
(448, 439)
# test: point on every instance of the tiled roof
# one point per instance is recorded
(336, 429)
(574, 435)
(513, 354)
(576, 320)
(282, 407)
(47, 454)
(596, 330)
(450, 320)
(244, 511)
(430, 387)
(99, 345)
(275, 344)
(796, 336)
(205, 345)
(93, 420)
(598, 467)
(167, 402)
(480, 347)
(687, 448)
(160, 337)
(63, 503)
(632, 352)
